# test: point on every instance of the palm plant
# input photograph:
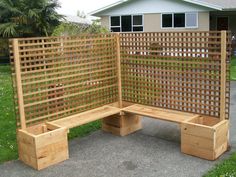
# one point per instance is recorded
(26, 18)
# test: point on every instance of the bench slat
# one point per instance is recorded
(86, 117)
(159, 113)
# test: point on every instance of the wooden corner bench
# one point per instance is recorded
(201, 136)
(122, 121)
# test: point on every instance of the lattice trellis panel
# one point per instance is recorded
(174, 70)
(62, 76)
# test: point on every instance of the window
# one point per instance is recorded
(191, 20)
(115, 24)
(137, 23)
(167, 20)
(126, 23)
(180, 20)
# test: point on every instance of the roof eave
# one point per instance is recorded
(94, 13)
(229, 9)
(211, 6)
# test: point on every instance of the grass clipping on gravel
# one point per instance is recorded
(226, 168)
(8, 145)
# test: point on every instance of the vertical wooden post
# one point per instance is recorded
(119, 69)
(223, 74)
(19, 83)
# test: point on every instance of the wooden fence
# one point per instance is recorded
(60, 76)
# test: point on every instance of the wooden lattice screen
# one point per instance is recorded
(56, 77)
(184, 71)
(59, 76)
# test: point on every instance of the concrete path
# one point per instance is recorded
(153, 151)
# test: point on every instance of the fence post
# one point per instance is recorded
(119, 69)
(19, 83)
(223, 74)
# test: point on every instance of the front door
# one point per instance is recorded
(222, 23)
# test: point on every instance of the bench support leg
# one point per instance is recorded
(122, 125)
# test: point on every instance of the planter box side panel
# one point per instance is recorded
(52, 148)
(52, 154)
(197, 141)
(26, 149)
(222, 138)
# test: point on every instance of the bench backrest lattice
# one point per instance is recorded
(60, 76)
(184, 71)
(55, 77)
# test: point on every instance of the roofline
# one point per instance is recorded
(229, 9)
(107, 7)
(205, 4)
(212, 6)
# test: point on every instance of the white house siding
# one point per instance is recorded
(152, 23)
(105, 22)
(152, 7)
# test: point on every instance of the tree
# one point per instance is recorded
(27, 18)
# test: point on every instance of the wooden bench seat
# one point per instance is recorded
(106, 111)
(159, 113)
(87, 117)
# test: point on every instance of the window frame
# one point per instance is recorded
(132, 24)
(185, 27)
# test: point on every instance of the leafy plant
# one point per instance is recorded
(26, 18)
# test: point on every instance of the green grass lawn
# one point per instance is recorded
(8, 145)
(233, 69)
(226, 168)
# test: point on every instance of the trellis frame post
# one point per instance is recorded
(119, 70)
(19, 83)
(223, 74)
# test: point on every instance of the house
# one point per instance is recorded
(163, 15)
(77, 20)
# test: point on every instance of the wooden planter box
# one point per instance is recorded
(204, 137)
(122, 125)
(42, 145)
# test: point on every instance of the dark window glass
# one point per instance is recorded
(137, 28)
(115, 29)
(166, 20)
(137, 20)
(179, 20)
(126, 23)
(115, 21)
